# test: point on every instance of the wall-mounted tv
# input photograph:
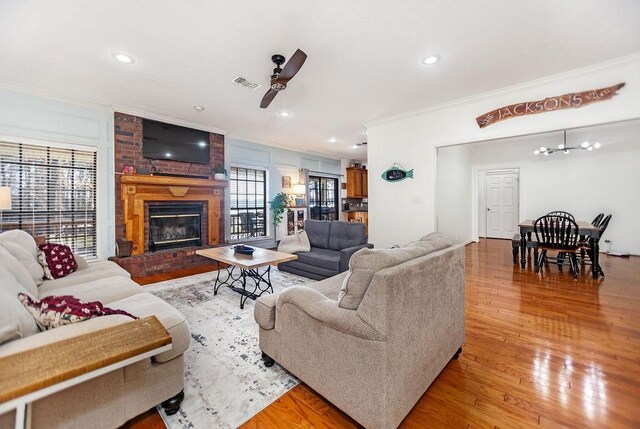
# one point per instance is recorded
(175, 143)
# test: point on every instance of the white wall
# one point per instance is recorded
(411, 140)
(453, 193)
(36, 120)
(582, 183)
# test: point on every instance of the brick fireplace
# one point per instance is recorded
(137, 193)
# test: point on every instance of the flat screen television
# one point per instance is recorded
(175, 143)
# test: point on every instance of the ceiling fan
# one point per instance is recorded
(280, 76)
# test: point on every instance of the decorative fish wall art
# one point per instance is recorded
(397, 173)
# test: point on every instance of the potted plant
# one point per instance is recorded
(278, 205)
(219, 172)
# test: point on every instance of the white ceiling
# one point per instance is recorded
(364, 56)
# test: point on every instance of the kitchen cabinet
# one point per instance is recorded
(357, 182)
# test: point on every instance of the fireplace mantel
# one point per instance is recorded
(139, 189)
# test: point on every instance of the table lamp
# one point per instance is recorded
(5, 201)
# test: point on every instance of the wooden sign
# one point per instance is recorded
(561, 102)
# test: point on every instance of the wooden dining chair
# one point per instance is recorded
(588, 249)
(560, 234)
(562, 214)
(584, 239)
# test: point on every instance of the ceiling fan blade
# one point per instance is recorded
(292, 67)
(268, 98)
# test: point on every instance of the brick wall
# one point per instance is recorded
(128, 151)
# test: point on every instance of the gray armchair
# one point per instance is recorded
(332, 245)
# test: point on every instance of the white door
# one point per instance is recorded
(502, 204)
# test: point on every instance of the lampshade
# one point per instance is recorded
(299, 189)
(5, 198)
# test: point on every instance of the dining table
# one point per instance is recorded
(584, 228)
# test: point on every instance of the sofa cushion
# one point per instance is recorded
(57, 260)
(55, 311)
(22, 239)
(27, 259)
(143, 305)
(95, 271)
(18, 271)
(106, 289)
(323, 258)
(15, 320)
(318, 232)
(346, 234)
(364, 264)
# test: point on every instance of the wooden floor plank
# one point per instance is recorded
(542, 350)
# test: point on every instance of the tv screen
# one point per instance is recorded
(167, 141)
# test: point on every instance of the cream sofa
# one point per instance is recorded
(112, 399)
(372, 340)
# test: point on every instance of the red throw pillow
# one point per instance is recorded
(57, 260)
(54, 311)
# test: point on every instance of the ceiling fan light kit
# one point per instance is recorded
(281, 76)
(565, 149)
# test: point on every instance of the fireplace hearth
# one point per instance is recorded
(172, 226)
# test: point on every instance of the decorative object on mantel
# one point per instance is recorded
(123, 248)
(129, 169)
(567, 101)
(286, 182)
(219, 172)
(565, 149)
(278, 205)
(396, 173)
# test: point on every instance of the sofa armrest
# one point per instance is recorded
(346, 254)
(325, 311)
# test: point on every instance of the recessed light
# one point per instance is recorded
(536, 151)
(198, 108)
(585, 144)
(597, 145)
(431, 59)
(355, 146)
(333, 140)
(561, 146)
(543, 149)
(590, 148)
(284, 114)
(168, 154)
(202, 144)
(123, 58)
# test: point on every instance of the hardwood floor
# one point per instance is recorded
(540, 351)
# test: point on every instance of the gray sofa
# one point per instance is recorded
(113, 398)
(332, 244)
(373, 339)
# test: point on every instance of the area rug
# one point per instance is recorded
(225, 381)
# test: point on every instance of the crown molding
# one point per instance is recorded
(276, 145)
(37, 92)
(168, 119)
(521, 86)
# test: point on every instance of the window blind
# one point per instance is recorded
(53, 194)
(248, 191)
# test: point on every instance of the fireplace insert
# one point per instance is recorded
(172, 226)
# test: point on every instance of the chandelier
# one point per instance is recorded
(562, 147)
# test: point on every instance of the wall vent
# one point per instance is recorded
(246, 83)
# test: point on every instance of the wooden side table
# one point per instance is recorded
(31, 377)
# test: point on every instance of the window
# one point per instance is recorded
(323, 198)
(248, 189)
(53, 194)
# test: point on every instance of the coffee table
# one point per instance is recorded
(249, 265)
